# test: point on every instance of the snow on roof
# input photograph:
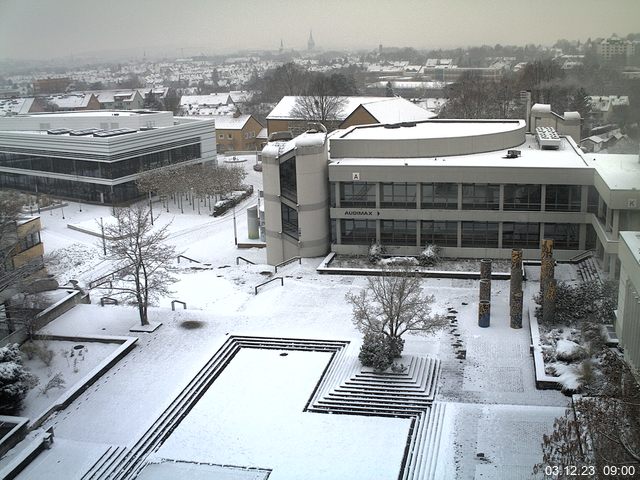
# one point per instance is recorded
(389, 106)
(263, 134)
(80, 100)
(108, 96)
(229, 122)
(434, 129)
(397, 109)
(603, 103)
(15, 106)
(531, 157)
(212, 100)
(619, 172)
(632, 239)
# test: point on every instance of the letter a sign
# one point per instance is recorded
(356, 175)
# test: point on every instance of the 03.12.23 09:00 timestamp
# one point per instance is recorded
(589, 471)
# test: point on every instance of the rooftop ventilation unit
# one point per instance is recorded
(513, 153)
(83, 132)
(113, 133)
(547, 138)
(58, 131)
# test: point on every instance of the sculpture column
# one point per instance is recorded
(515, 296)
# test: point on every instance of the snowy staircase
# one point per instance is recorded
(383, 394)
(422, 455)
(127, 464)
(588, 270)
(110, 457)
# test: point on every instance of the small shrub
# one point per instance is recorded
(37, 349)
(15, 380)
(57, 381)
(396, 345)
(429, 256)
(399, 368)
(587, 374)
(375, 351)
(376, 251)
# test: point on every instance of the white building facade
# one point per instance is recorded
(474, 188)
(97, 156)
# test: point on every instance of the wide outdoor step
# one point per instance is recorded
(110, 457)
(370, 410)
(387, 398)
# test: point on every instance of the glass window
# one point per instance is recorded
(289, 221)
(564, 235)
(520, 235)
(358, 232)
(398, 195)
(480, 234)
(332, 194)
(358, 194)
(444, 234)
(522, 197)
(593, 199)
(592, 238)
(563, 198)
(398, 232)
(288, 179)
(480, 196)
(440, 195)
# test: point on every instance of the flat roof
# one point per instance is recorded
(566, 156)
(632, 239)
(93, 113)
(430, 129)
(619, 172)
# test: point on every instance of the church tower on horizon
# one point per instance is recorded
(310, 43)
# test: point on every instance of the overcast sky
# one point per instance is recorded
(35, 29)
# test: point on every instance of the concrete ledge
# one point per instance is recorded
(152, 327)
(15, 435)
(543, 381)
(26, 456)
(127, 343)
(252, 245)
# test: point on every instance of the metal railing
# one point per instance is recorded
(287, 262)
(108, 301)
(242, 258)
(255, 289)
(106, 278)
(173, 304)
(187, 258)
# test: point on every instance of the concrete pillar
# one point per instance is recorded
(485, 268)
(549, 302)
(484, 314)
(547, 263)
(485, 279)
(485, 290)
(515, 297)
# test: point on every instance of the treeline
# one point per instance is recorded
(291, 79)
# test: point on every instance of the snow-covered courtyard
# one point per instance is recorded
(252, 418)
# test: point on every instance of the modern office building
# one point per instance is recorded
(97, 156)
(475, 188)
(628, 313)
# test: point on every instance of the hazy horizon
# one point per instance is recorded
(64, 28)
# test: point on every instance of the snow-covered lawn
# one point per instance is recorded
(70, 361)
(253, 416)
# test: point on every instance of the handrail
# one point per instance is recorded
(581, 256)
(173, 304)
(242, 258)
(108, 301)
(286, 262)
(268, 281)
(106, 278)
(187, 258)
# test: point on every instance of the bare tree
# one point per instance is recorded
(134, 243)
(392, 305)
(320, 102)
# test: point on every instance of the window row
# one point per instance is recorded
(110, 170)
(477, 196)
(445, 233)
